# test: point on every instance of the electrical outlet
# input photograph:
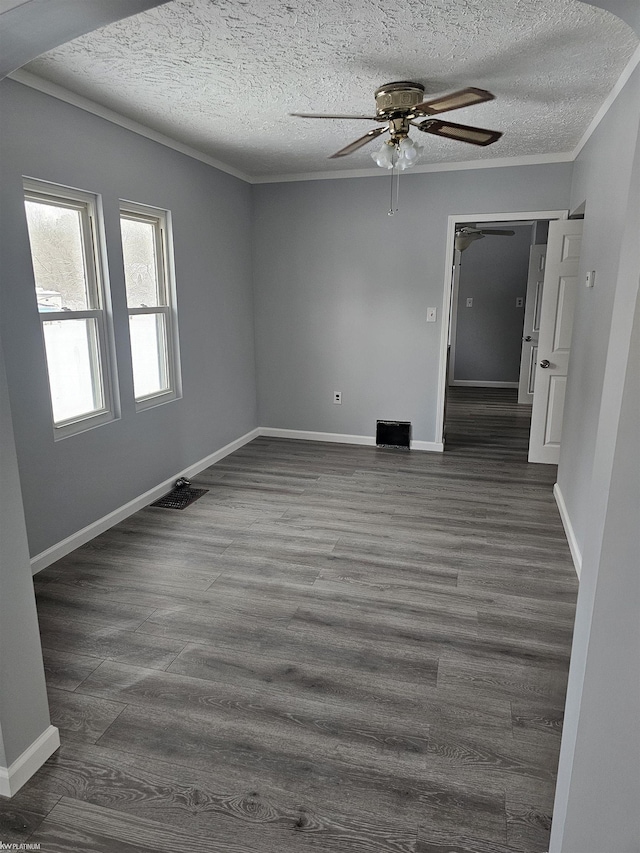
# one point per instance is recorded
(519, 302)
(470, 302)
(432, 314)
(337, 398)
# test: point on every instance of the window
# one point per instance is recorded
(148, 273)
(70, 292)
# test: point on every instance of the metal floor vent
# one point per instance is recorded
(396, 434)
(181, 496)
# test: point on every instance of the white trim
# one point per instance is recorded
(613, 94)
(430, 446)
(576, 554)
(341, 438)
(12, 778)
(26, 78)
(481, 383)
(81, 537)
(453, 220)
(160, 221)
(461, 165)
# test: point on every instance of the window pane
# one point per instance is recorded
(140, 263)
(149, 354)
(55, 234)
(73, 363)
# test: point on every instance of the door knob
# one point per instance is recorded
(528, 338)
(545, 363)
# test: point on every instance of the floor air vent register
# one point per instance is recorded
(395, 434)
(181, 496)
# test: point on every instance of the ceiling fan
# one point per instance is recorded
(466, 235)
(401, 105)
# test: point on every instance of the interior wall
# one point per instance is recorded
(601, 178)
(71, 483)
(342, 291)
(599, 772)
(24, 712)
(493, 273)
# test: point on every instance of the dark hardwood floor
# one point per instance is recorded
(337, 648)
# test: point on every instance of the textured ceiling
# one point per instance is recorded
(222, 75)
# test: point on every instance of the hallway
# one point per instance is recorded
(337, 648)
(487, 421)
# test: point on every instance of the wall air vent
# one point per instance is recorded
(396, 434)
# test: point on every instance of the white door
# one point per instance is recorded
(559, 293)
(453, 315)
(531, 328)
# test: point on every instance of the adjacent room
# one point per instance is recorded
(395, 378)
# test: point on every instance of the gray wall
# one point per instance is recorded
(599, 774)
(493, 273)
(342, 290)
(601, 178)
(24, 712)
(70, 483)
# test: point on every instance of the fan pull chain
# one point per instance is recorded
(390, 213)
(395, 173)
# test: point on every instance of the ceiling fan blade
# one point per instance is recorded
(463, 241)
(499, 231)
(454, 101)
(462, 132)
(322, 115)
(358, 143)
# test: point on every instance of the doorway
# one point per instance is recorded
(450, 308)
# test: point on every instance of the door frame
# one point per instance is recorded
(453, 221)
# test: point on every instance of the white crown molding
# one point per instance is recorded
(62, 94)
(33, 81)
(462, 165)
(12, 778)
(613, 94)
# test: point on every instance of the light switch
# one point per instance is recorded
(431, 315)
(470, 302)
(519, 302)
(590, 279)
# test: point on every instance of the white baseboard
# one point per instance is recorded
(430, 446)
(342, 438)
(576, 555)
(81, 537)
(12, 778)
(309, 435)
(479, 383)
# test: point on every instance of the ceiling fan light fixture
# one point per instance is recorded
(384, 156)
(408, 153)
(401, 154)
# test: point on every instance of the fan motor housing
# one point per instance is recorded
(398, 97)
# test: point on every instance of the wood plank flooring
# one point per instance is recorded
(337, 648)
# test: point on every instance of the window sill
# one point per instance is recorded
(156, 400)
(81, 425)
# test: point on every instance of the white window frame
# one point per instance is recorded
(165, 272)
(98, 296)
